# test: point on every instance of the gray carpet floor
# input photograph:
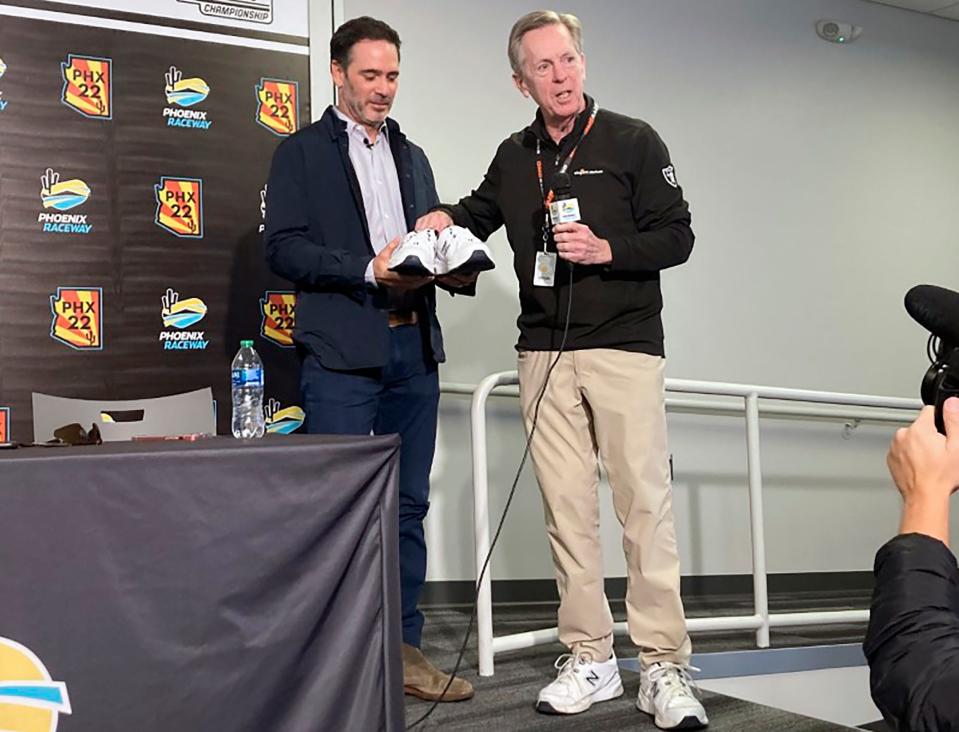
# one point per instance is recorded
(505, 700)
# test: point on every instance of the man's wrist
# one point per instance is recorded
(607, 252)
(371, 274)
(443, 208)
(927, 515)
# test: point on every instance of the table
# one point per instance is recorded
(215, 586)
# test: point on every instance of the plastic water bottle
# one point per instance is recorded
(247, 373)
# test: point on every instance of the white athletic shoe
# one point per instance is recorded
(416, 254)
(459, 252)
(580, 682)
(666, 690)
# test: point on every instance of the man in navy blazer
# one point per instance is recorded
(341, 194)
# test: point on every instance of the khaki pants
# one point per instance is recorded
(612, 403)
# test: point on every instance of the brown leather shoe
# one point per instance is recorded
(423, 680)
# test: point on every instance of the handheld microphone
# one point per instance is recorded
(937, 310)
(564, 208)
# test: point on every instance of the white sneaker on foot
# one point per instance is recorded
(459, 252)
(580, 682)
(415, 254)
(666, 692)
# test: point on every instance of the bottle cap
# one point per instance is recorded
(246, 344)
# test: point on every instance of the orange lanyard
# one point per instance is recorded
(548, 197)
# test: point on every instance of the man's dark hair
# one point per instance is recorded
(353, 31)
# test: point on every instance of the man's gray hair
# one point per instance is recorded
(538, 19)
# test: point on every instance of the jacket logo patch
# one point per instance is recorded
(669, 173)
(586, 171)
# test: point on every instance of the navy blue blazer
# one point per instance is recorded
(316, 236)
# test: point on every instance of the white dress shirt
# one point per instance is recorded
(379, 184)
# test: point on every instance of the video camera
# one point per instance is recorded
(937, 310)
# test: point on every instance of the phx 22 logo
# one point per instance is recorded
(278, 308)
(78, 318)
(278, 106)
(88, 85)
(180, 206)
(30, 700)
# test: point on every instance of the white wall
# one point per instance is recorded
(320, 24)
(823, 184)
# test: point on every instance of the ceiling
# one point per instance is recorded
(948, 9)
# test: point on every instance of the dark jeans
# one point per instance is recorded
(402, 398)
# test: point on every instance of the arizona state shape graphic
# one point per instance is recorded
(77, 318)
(30, 701)
(279, 316)
(278, 108)
(88, 85)
(180, 206)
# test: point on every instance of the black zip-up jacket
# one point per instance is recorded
(627, 194)
(912, 644)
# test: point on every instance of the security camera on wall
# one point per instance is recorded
(837, 31)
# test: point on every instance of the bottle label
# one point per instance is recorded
(248, 377)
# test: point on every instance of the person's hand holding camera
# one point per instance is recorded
(925, 466)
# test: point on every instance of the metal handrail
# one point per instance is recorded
(856, 407)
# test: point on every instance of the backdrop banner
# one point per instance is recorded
(132, 175)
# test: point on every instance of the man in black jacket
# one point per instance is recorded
(341, 194)
(605, 390)
(913, 639)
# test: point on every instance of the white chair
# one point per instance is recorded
(177, 414)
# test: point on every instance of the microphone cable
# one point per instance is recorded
(509, 501)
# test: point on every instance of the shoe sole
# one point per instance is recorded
(477, 262)
(690, 721)
(411, 266)
(427, 696)
(612, 691)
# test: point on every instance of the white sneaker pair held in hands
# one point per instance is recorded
(454, 251)
(664, 691)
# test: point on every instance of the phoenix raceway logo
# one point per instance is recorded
(3, 70)
(77, 318)
(30, 700)
(88, 85)
(63, 196)
(278, 106)
(279, 316)
(179, 315)
(182, 93)
(282, 421)
(4, 424)
(180, 206)
(253, 11)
